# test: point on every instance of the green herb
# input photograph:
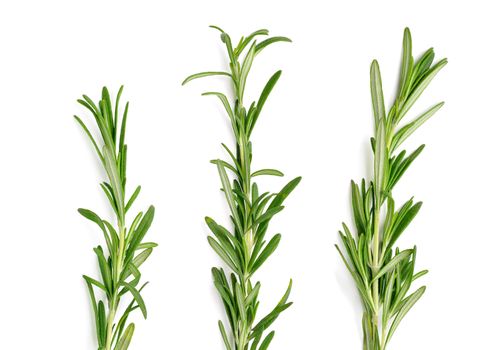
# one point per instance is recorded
(119, 265)
(384, 274)
(245, 249)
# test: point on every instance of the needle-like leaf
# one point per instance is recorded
(377, 93)
(204, 74)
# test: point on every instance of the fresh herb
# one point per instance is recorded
(244, 250)
(384, 274)
(119, 265)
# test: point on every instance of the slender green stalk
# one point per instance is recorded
(119, 265)
(244, 249)
(383, 274)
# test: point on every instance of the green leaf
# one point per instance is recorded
(90, 105)
(225, 38)
(246, 67)
(226, 297)
(112, 172)
(101, 324)
(272, 40)
(108, 192)
(407, 305)
(147, 245)
(222, 233)
(380, 162)
(262, 99)
(271, 172)
(367, 298)
(399, 258)
(402, 221)
(284, 192)
(124, 317)
(225, 164)
(217, 28)
(226, 104)
(400, 165)
(387, 299)
(376, 92)
(137, 297)
(422, 66)
(106, 108)
(138, 261)
(239, 297)
(421, 87)
(232, 156)
(266, 342)
(227, 189)
(420, 274)
(256, 340)
(408, 129)
(90, 215)
(89, 282)
(87, 132)
(407, 62)
(116, 108)
(267, 215)
(204, 74)
(221, 253)
(248, 39)
(358, 208)
(105, 271)
(270, 318)
(224, 335)
(285, 297)
(132, 198)
(238, 50)
(125, 340)
(138, 234)
(96, 283)
(123, 127)
(267, 251)
(253, 295)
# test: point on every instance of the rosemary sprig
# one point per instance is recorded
(384, 274)
(244, 249)
(119, 265)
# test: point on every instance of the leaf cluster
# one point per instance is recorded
(125, 250)
(245, 249)
(382, 272)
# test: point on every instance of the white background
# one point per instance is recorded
(316, 124)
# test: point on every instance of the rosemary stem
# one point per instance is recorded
(110, 321)
(383, 342)
(113, 305)
(375, 285)
(375, 267)
(121, 249)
